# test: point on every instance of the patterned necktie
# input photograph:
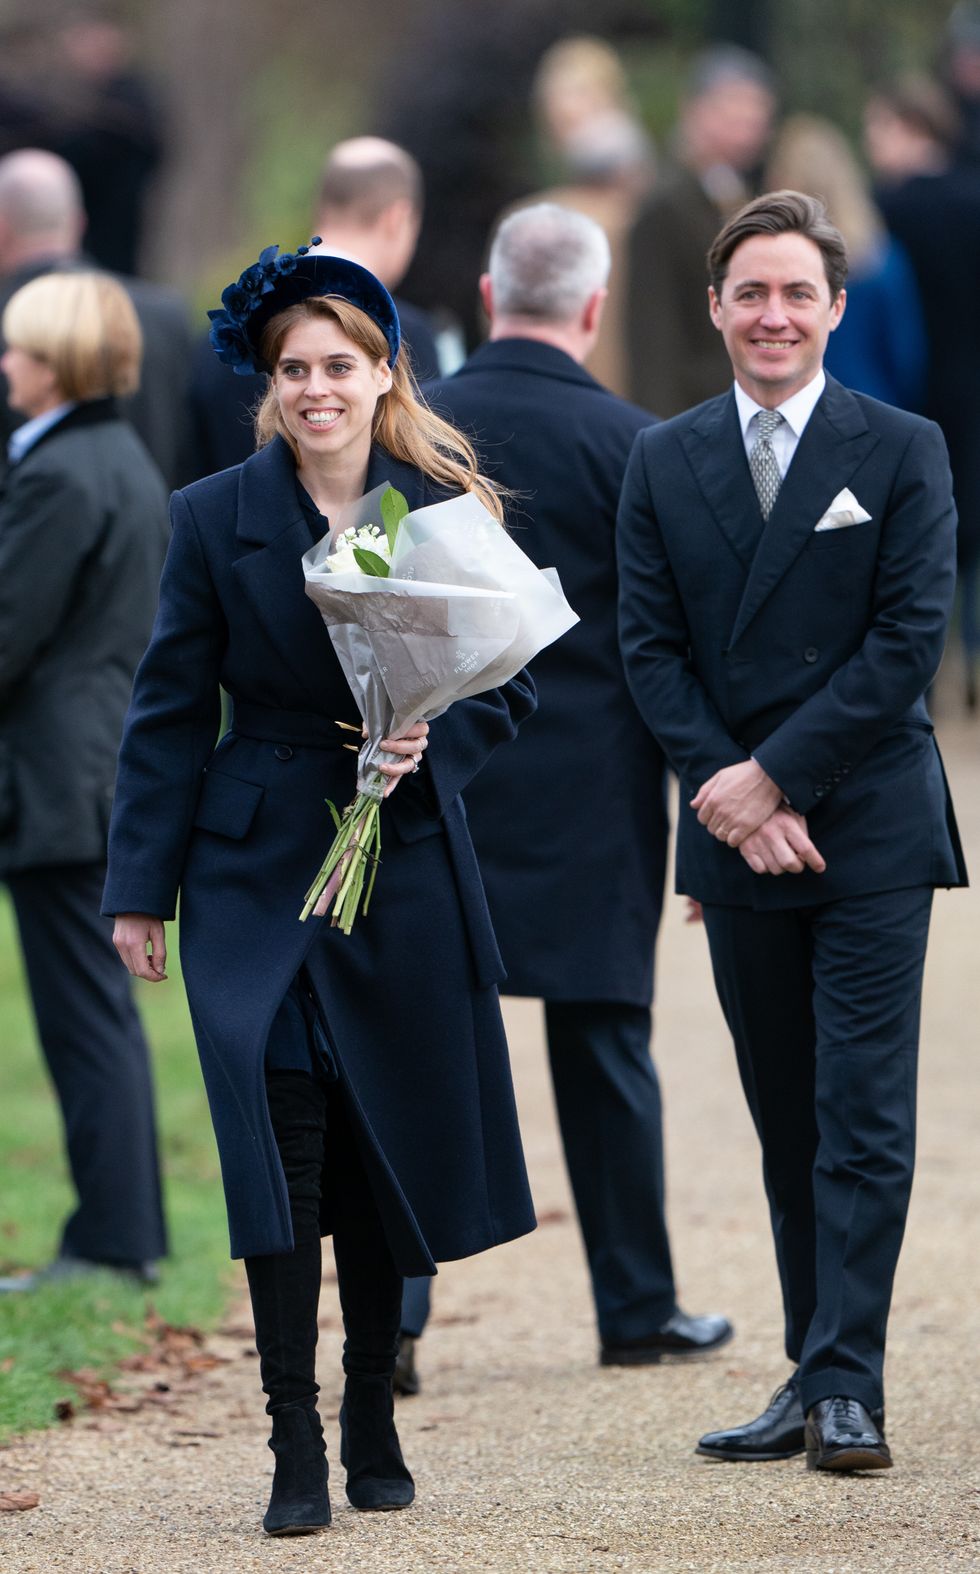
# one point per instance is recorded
(762, 460)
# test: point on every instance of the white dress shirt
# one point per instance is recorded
(23, 438)
(795, 413)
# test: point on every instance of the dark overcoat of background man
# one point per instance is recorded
(787, 559)
(572, 844)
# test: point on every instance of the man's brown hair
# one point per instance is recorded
(781, 213)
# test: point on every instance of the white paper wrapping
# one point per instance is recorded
(463, 610)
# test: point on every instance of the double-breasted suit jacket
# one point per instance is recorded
(408, 1001)
(809, 649)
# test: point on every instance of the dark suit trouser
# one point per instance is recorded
(97, 1055)
(823, 1005)
(608, 1101)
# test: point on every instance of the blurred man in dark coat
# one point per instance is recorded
(676, 358)
(369, 207)
(42, 227)
(574, 871)
(925, 191)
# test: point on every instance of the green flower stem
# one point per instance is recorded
(356, 845)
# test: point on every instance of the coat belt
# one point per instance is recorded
(305, 729)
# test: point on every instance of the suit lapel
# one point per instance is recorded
(273, 532)
(716, 451)
(835, 442)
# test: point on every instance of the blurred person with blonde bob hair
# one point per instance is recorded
(359, 1084)
(879, 347)
(83, 527)
(84, 329)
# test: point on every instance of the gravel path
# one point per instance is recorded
(530, 1459)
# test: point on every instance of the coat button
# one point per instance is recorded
(283, 751)
(818, 792)
(811, 653)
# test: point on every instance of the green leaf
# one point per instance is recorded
(394, 507)
(371, 563)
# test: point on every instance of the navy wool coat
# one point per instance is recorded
(409, 999)
(570, 825)
(809, 649)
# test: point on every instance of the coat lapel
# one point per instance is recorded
(716, 452)
(836, 441)
(274, 533)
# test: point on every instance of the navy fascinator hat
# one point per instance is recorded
(277, 281)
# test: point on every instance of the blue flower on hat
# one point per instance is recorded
(236, 329)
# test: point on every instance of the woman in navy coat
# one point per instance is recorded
(358, 1084)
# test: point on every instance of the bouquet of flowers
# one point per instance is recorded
(423, 609)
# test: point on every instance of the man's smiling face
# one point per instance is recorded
(775, 314)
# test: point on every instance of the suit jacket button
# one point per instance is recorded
(283, 751)
(818, 792)
(811, 653)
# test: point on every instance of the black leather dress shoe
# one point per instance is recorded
(681, 1336)
(842, 1435)
(777, 1434)
(64, 1268)
(406, 1379)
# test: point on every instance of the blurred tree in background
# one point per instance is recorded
(254, 93)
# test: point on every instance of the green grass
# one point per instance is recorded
(94, 1322)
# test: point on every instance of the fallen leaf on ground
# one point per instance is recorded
(553, 1216)
(93, 1390)
(14, 1502)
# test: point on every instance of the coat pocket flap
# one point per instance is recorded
(227, 805)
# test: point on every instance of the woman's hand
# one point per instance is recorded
(140, 940)
(410, 749)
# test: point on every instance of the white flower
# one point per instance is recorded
(369, 538)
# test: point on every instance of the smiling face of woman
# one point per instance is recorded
(328, 390)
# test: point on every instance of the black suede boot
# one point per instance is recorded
(300, 1502)
(370, 1289)
(285, 1292)
(377, 1476)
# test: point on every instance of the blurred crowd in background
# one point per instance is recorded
(546, 97)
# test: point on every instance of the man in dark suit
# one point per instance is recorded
(786, 572)
(42, 226)
(574, 873)
(368, 207)
(675, 359)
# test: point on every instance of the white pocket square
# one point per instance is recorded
(844, 510)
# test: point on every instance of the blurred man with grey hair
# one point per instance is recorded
(573, 859)
(42, 229)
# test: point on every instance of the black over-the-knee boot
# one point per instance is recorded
(285, 1292)
(370, 1289)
